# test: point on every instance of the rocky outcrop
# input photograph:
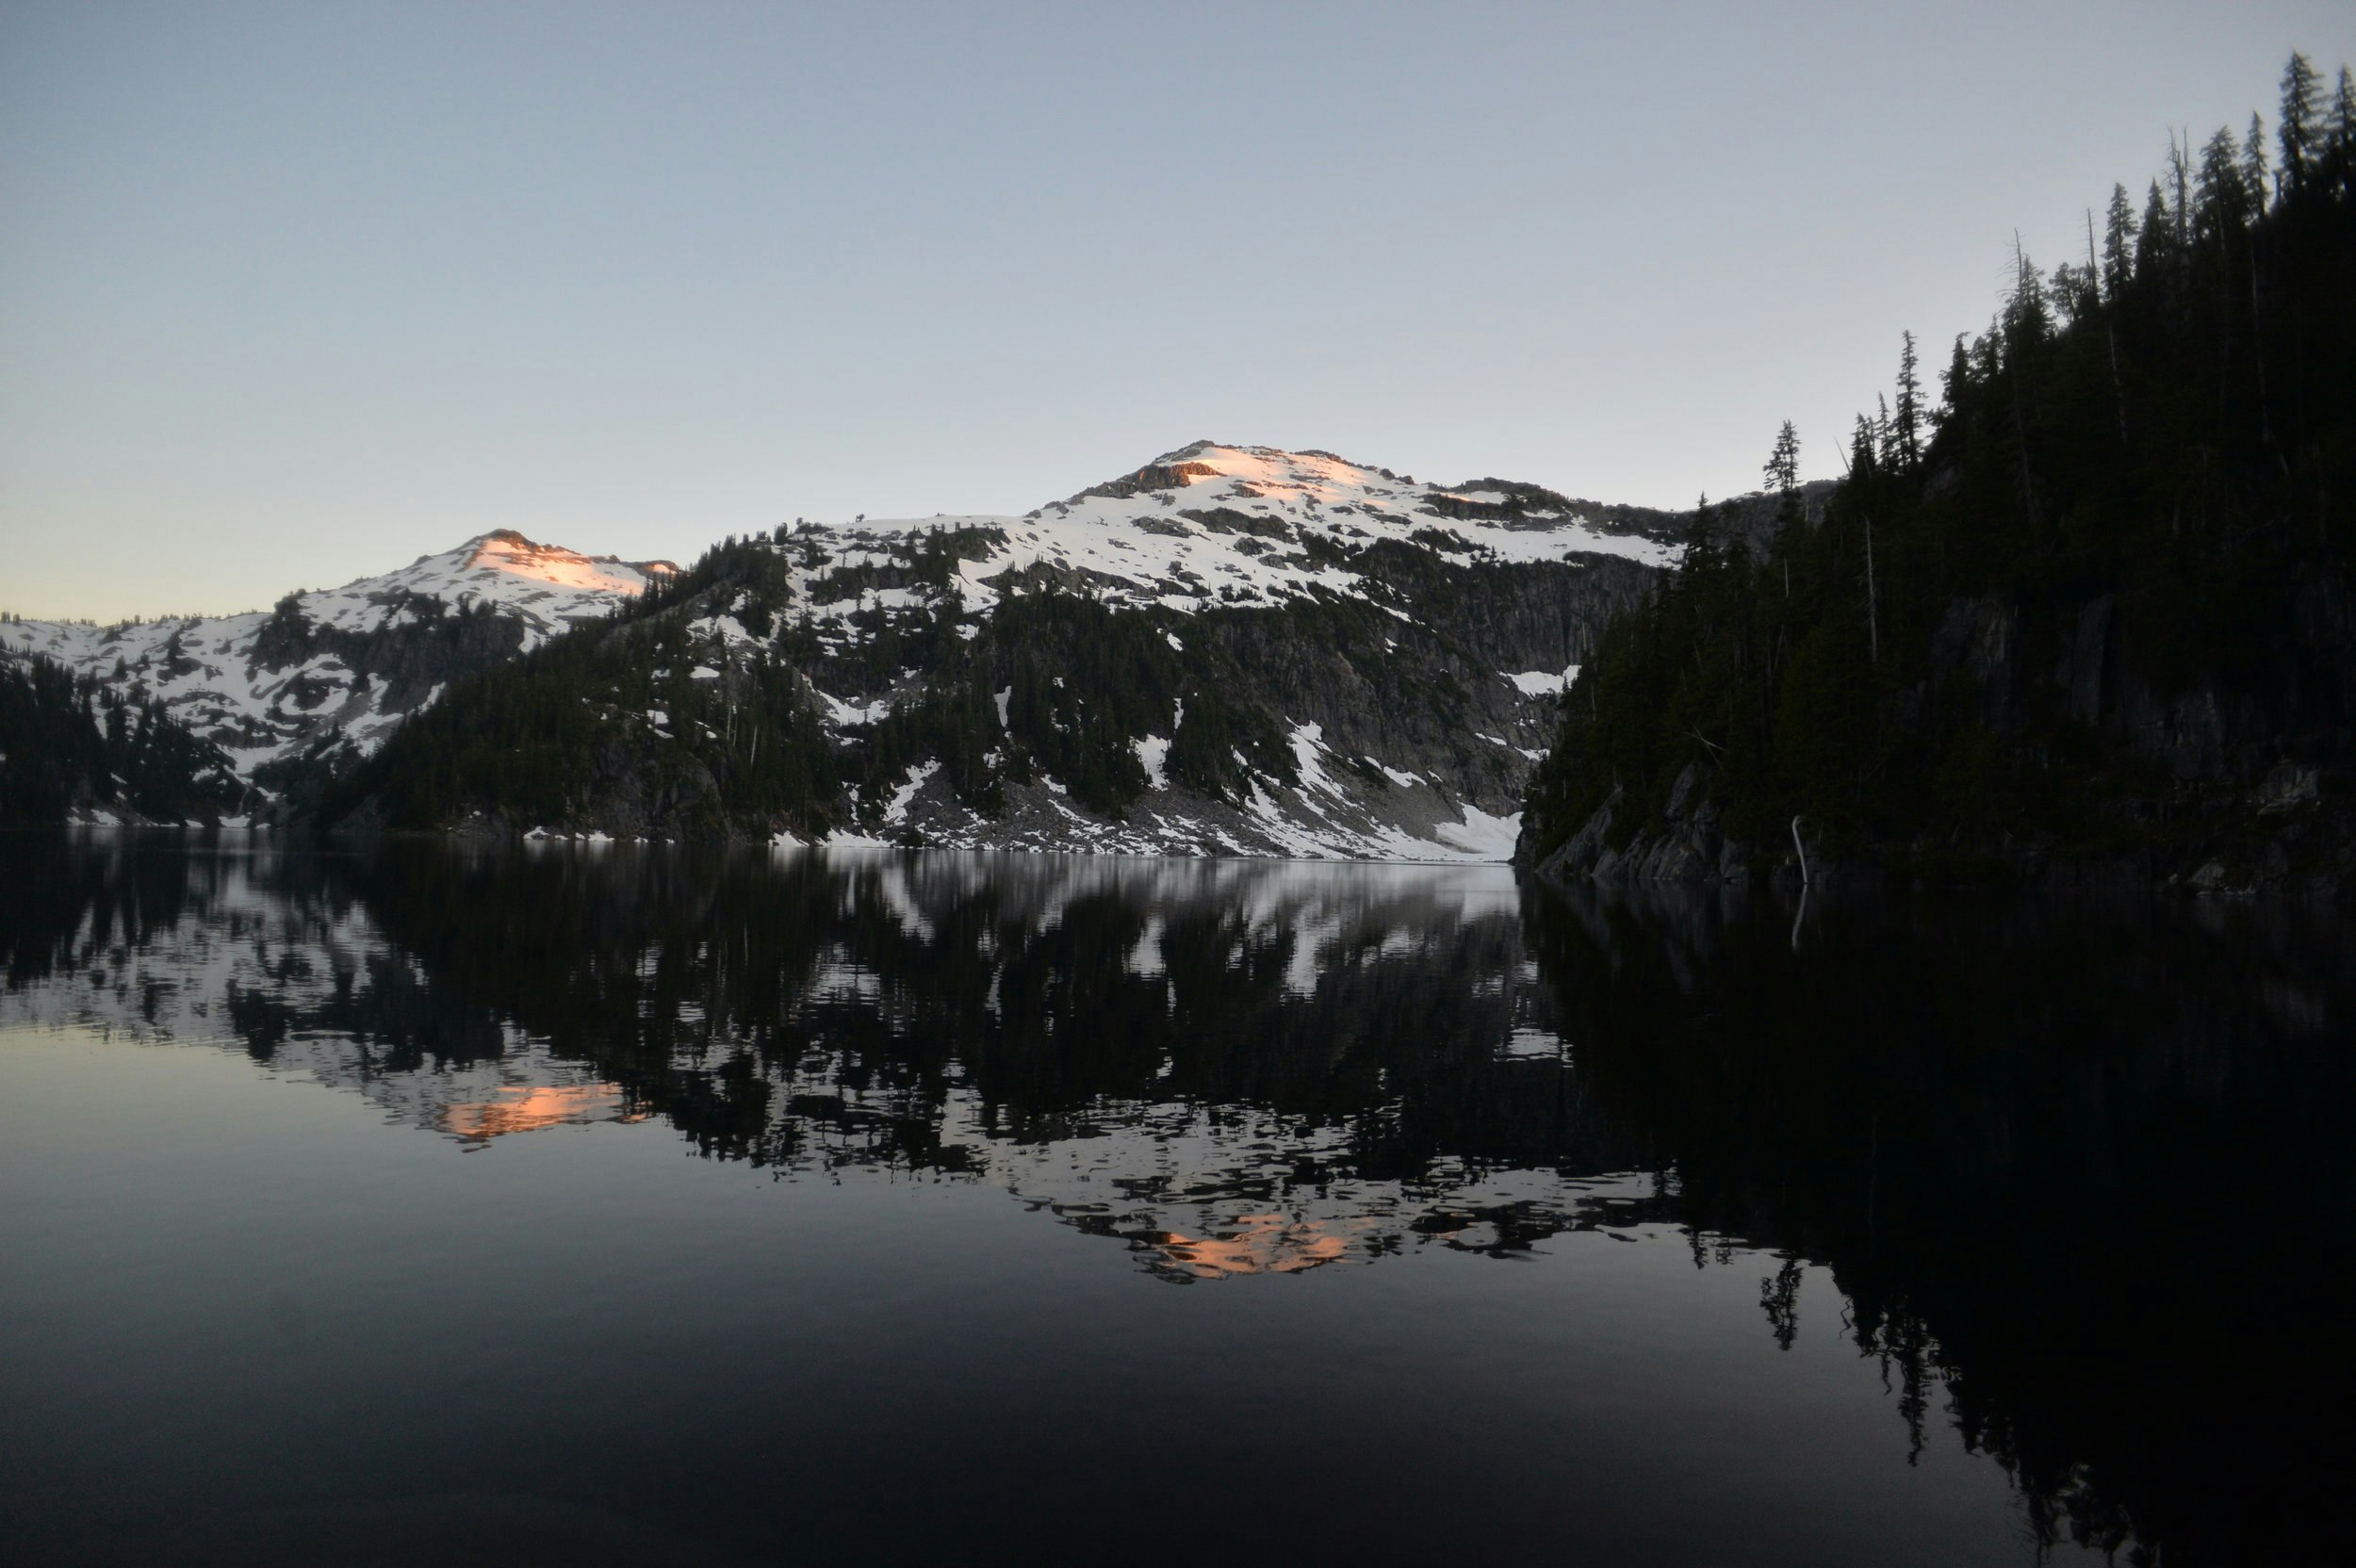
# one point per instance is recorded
(1687, 846)
(1153, 476)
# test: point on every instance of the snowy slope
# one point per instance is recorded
(1412, 745)
(350, 661)
(1210, 524)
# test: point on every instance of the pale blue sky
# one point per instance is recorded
(289, 294)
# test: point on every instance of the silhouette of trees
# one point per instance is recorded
(68, 747)
(2136, 476)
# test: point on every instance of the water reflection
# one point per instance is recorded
(1232, 1066)
(530, 1107)
(2081, 1175)
(2081, 1172)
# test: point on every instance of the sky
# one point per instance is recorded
(292, 294)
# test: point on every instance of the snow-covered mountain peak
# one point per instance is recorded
(1332, 495)
(1212, 472)
(1271, 471)
(505, 551)
(1395, 720)
(490, 564)
(1387, 651)
(345, 663)
(1212, 524)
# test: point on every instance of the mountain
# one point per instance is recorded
(329, 673)
(1227, 651)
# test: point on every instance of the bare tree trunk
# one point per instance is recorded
(2258, 353)
(1872, 616)
(2110, 330)
(2020, 421)
(2179, 164)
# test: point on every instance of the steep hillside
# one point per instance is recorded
(1229, 650)
(332, 672)
(2093, 615)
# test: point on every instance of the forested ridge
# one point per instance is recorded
(617, 707)
(2093, 604)
(740, 699)
(628, 710)
(69, 746)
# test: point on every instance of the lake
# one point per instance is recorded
(628, 1204)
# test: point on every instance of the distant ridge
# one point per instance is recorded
(342, 666)
(1226, 650)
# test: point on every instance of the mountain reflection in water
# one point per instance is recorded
(530, 1107)
(2082, 1174)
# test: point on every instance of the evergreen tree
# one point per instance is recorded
(67, 745)
(2219, 189)
(1783, 463)
(2155, 242)
(2131, 503)
(2118, 245)
(1908, 423)
(2298, 132)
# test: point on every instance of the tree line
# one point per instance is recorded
(69, 744)
(2083, 599)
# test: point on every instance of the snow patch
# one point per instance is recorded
(897, 811)
(1481, 836)
(1544, 683)
(1153, 754)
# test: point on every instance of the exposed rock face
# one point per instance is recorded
(2204, 729)
(1689, 847)
(1164, 475)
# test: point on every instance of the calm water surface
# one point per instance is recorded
(418, 1203)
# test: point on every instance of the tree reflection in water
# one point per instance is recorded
(2083, 1169)
(2081, 1173)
